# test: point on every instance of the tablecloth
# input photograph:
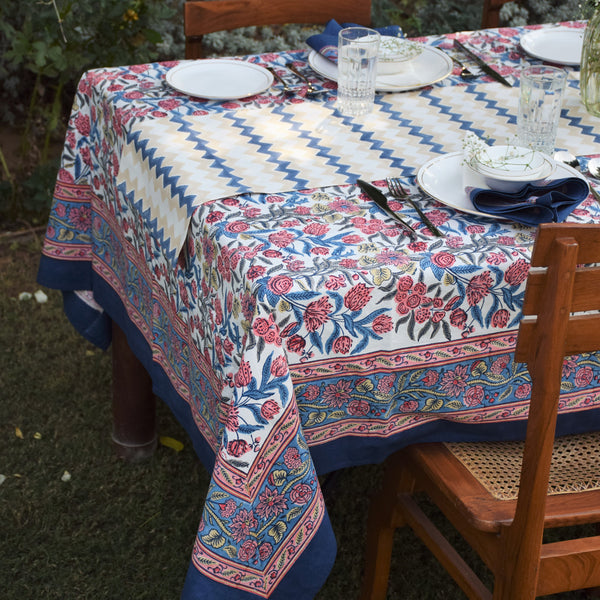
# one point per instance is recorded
(303, 332)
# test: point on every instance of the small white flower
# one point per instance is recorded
(25, 296)
(2, 479)
(41, 297)
(66, 476)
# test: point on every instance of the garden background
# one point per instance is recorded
(75, 522)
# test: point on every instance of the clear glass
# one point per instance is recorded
(358, 48)
(540, 103)
(589, 82)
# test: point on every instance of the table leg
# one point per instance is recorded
(134, 404)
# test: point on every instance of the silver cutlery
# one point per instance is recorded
(286, 88)
(311, 88)
(381, 201)
(481, 63)
(571, 160)
(400, 193)
(465, 73)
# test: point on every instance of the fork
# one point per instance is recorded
(311, 90)
(286, 88)
(400, 193)
(464, 72)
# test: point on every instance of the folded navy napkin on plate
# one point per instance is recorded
(326, 43)
(551, 202)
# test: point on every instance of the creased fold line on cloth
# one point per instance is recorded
(551, 202)
(326, 43)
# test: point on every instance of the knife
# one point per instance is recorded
(484, 66)
(381, 201)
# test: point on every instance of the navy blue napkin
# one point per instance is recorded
(326, 43)
(534, 204)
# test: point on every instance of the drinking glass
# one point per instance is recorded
(539, 107)
(357, 67)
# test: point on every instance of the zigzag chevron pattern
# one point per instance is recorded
(170, 166)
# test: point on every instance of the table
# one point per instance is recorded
(288, 324)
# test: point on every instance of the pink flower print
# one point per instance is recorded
(358, 408)
(335, 282)
(82, 124)
(342, 344)
(227, 508)
(279, 367)
(291, 458)
(409, 406)
(523, 391)
(454, 382)
(584, 376)
(357, 297)
(238, 447)
(386, 383)
(265, 550)
(242, 524)
(244, 374)
(296, 344)
(474, 396)
(271, 503)
(500, 318)
(301, 494)
(517, 272)
(500, 364)
(281, 239)
(430, 378)
(479, 287)
(269, 409)
(382, 324)
(80, 217)
(316, 229)
(317, 313)
(337, 394)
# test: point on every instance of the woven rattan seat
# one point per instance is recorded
(575, 464)
(501, 496)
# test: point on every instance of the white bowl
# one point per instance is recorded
(395, 53)
(506, 168)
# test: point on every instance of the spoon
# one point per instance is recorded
(594, 167)
(569, 159)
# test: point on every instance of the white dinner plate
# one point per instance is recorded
(561, 45)
(441, 178)
(430, 66)
(219, 79)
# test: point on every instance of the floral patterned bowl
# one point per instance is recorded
(395, 53)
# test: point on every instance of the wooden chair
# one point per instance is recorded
(491, 13)
(466, 480)
(208, 16)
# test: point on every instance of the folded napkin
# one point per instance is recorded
(326, 43)
(551, 202)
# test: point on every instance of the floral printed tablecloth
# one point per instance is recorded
(298, 332)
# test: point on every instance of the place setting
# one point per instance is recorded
(401, 65)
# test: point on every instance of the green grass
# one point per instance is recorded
(116, 530)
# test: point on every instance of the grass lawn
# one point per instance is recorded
(116, 530)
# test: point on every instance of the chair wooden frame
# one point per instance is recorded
(508, 534)
(208, 16)
(491, 13)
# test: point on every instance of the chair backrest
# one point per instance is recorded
(560, 318)
(491, 13)
(208, 16)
